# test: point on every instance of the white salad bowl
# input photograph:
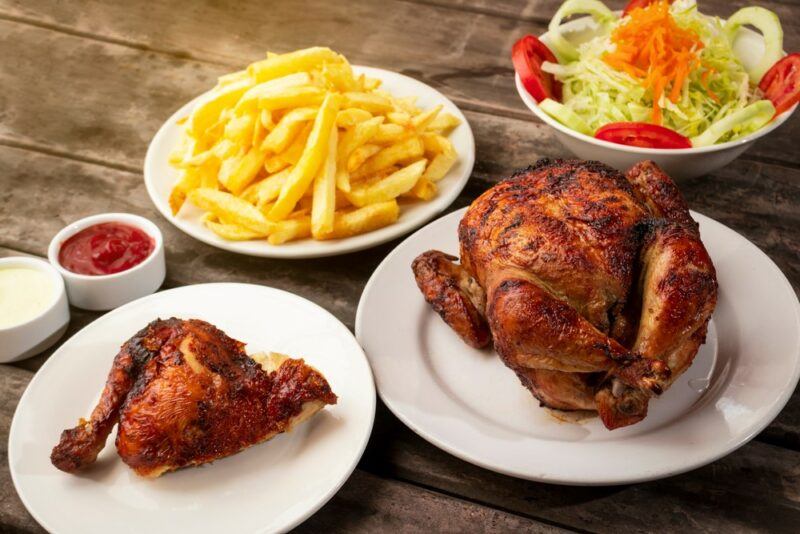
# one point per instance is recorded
(109, 291)
(682, 163)
(38, 333)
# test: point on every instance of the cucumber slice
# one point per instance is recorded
(769, 25)
(564, 115)
(563, 49)
(750, 118)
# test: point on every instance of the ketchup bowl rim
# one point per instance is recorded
(141, 223)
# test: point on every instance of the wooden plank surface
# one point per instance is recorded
(85, 86)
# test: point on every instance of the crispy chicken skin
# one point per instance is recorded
(184, 394)
(598, 289)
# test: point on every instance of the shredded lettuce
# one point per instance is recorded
(597, 94)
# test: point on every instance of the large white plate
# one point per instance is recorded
(160, 176)
(265, 488)
(468, 403)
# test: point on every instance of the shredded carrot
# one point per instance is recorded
(652, 48)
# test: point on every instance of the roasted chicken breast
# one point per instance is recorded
(593, 285)
(184, 393)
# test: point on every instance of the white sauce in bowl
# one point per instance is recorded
(24, 294)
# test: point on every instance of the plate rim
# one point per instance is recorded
(650, 475)
(283, 528)
(334, 247)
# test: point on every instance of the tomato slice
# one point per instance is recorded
(633, 4)
(781, 83)
(642, 135)
(528, 54)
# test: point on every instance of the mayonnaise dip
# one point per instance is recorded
(24, 294)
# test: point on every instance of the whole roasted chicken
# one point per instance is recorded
(594, 286)
(185, 394)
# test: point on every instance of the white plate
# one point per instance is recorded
(160, 176)
(468, 403)
(265, 488)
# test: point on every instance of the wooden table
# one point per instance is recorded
(84, 85)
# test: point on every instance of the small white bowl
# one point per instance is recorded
(683, 163)
(39, 333)
(106, 292)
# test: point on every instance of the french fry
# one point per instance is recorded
(387, 188)
(289, 230)
(313, 155)
(368, 101)
(338, 77)
(389, 133)
(409, 149)
(407, 104)
(364, 220)
(324, 199)
(399, 117)
(287, 129)
(208, 109)
(360, 155)
(268, 189)
(230, 232)
(189, 180)
(239, 130)
(347, 118)
(424, 189)
(423, 120)
(293, 97)
(443, 123)
(283, 64)
(292, 154)
(439, 166)
(266, 119)
(250, 99)
(236, 174)
(230, 207)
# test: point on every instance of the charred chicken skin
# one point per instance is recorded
(184, 393)
(594, 286)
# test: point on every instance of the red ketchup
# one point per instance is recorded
(105, 248)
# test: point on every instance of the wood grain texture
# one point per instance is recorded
(161, 60)
(756, 488)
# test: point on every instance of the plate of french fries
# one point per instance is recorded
(303, 155)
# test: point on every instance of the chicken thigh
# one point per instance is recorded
(594, 286)
(184, 394)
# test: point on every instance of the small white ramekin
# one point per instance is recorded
(106, 292)
(680, 164)
(39, 333)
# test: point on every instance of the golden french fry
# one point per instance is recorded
(293, 97)
(364, 219)
(338, 76)
(292, 154)
(283, 64)
(189, 180)
(347, 118)
(239, 130)
(287, 129)
(443, 123)
(369, 101)
(439, 166)
(231, 208)
(289, 230)
(423, 120)
(313, 155)
(357, 136)
(407, 104)
(424, 189)
(408, 149)
(271, 88)
(227, 79)
(230, 232)
(342, 179)
(389, 133)
(369, 84)
(324, 199)
(207, 111)
(387, 188)
(399, 117)
(268, 189)
(266, 119)
(236, 174)
(360, 155)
